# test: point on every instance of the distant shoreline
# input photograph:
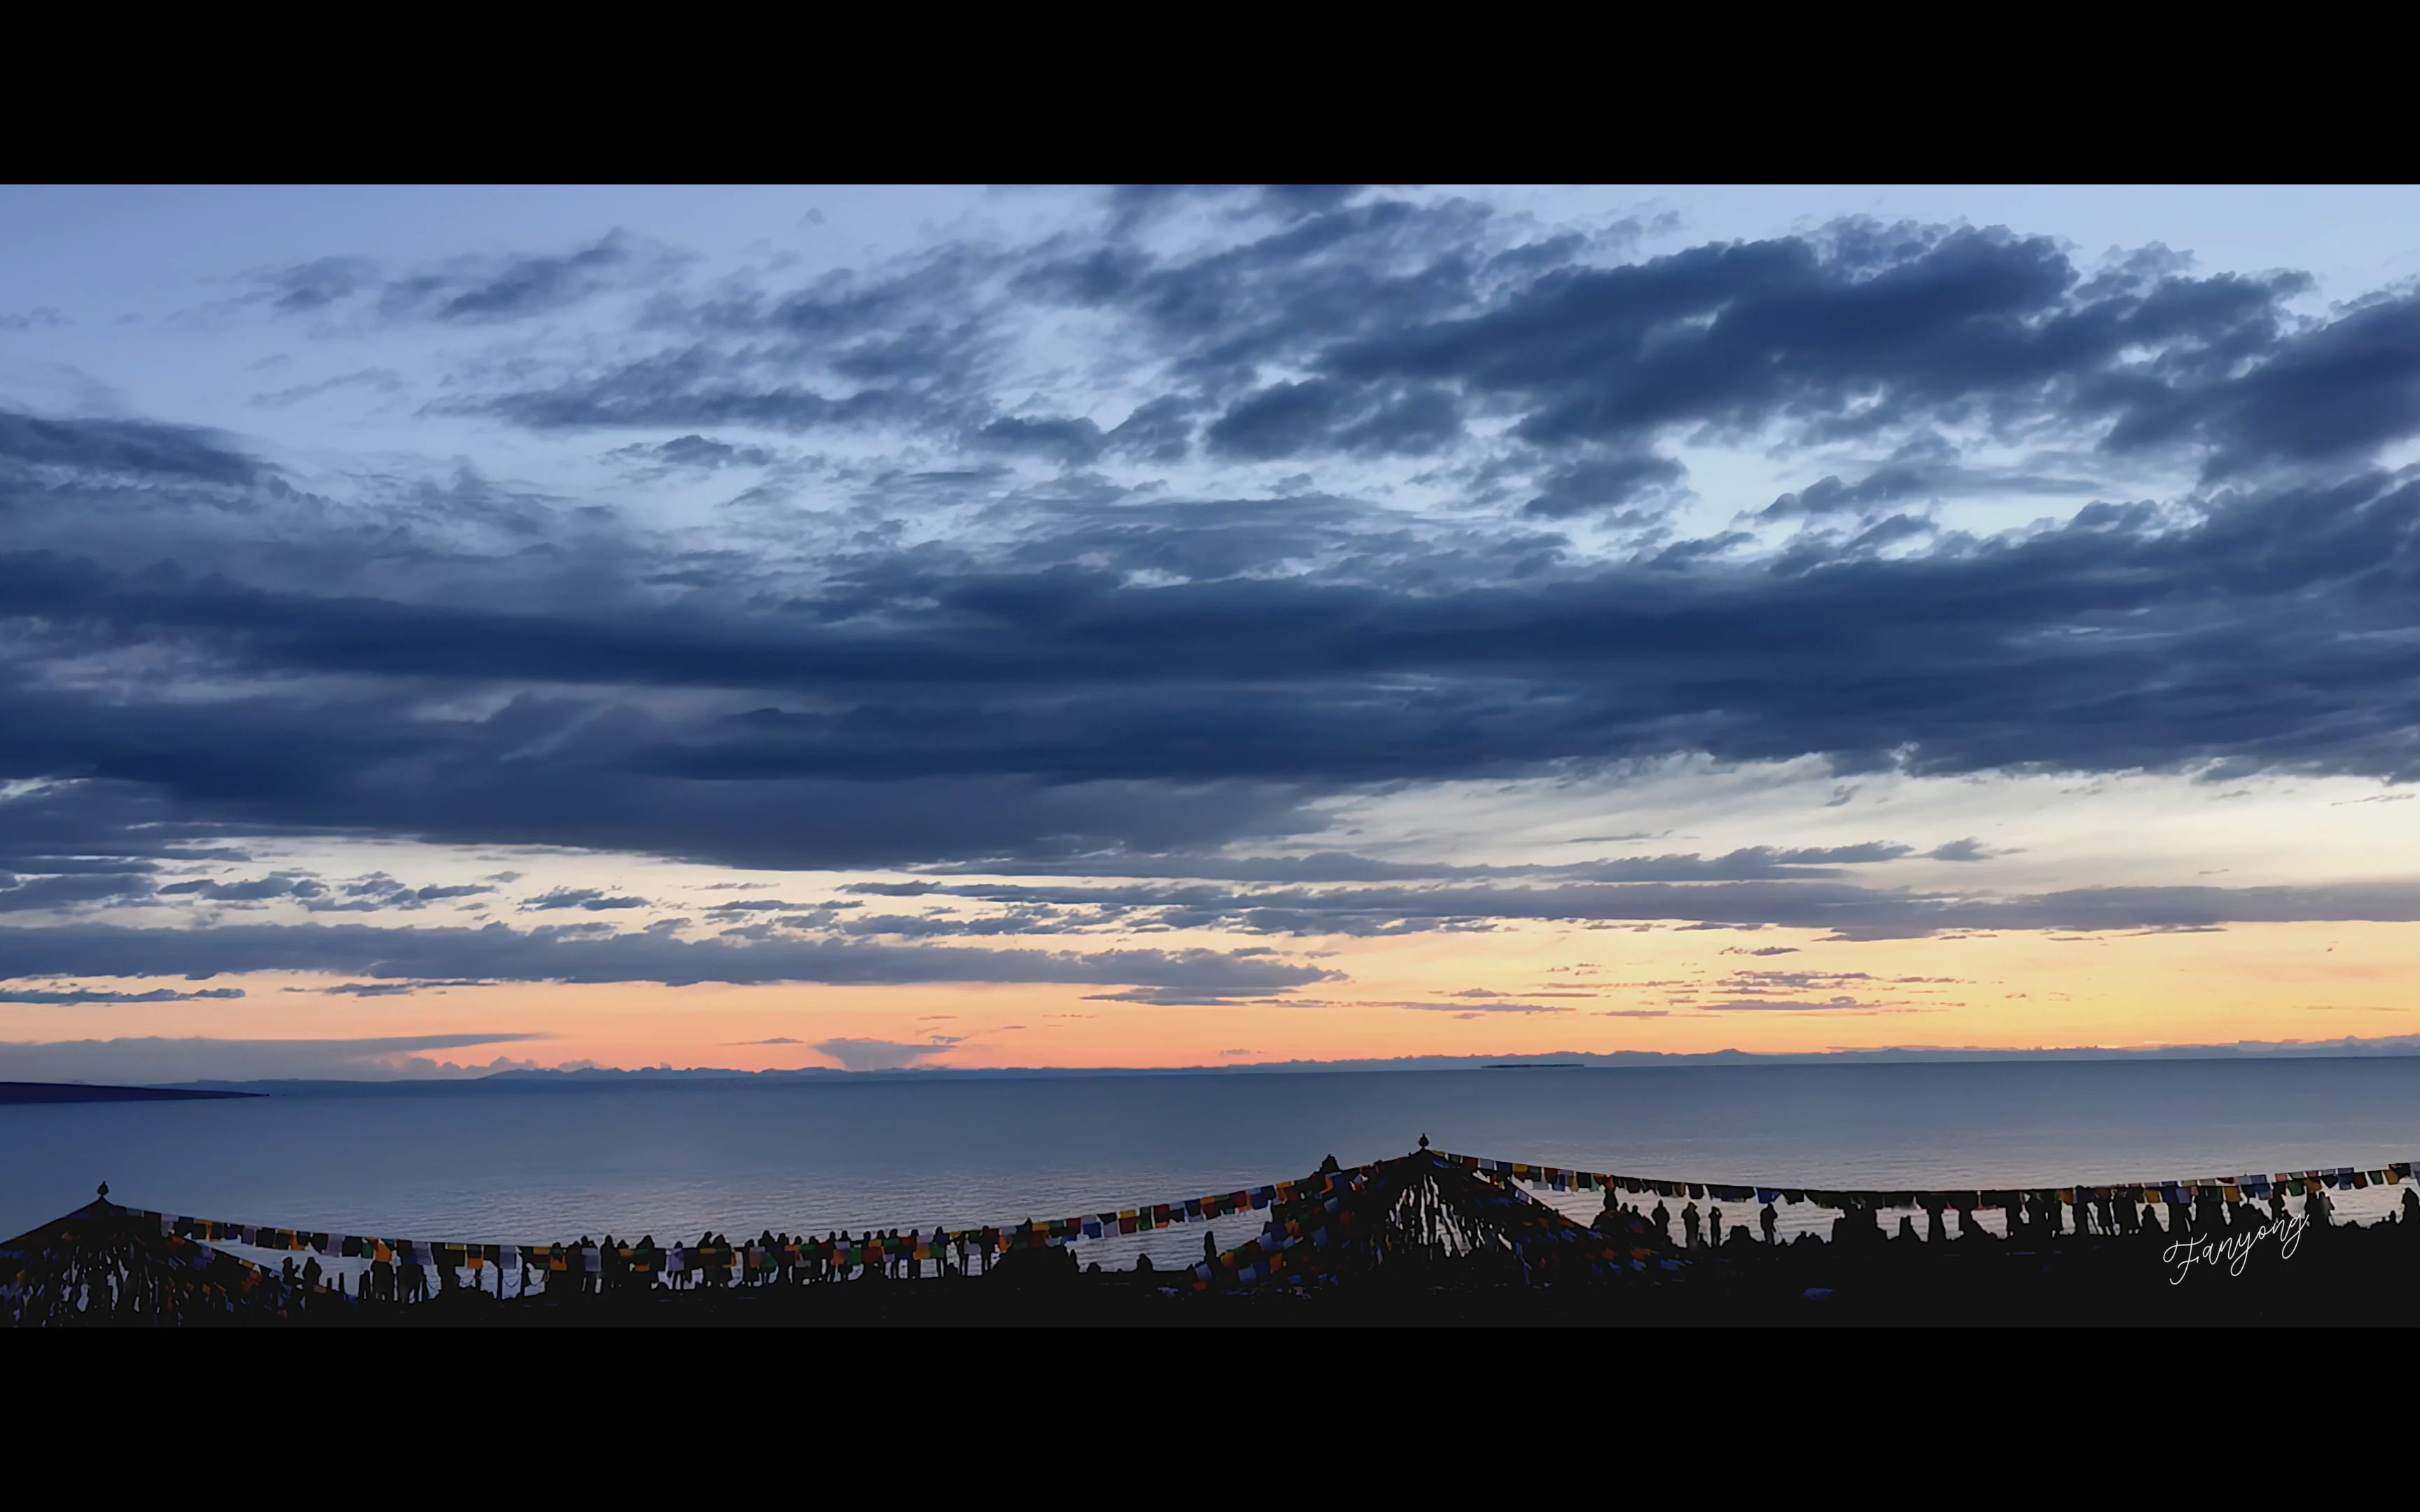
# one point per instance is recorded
(591, 1081)
(19, 1092)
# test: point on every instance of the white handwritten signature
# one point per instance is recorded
(2235, 1249)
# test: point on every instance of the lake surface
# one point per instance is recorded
(501, 1163)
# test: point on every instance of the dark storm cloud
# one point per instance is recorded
(589, 899)
(2334, 394)
(695, 387)
(1109, 672)
(1925, 467)
(1338, 866)
(71, 890)
(1318, 416)
(1066, 441)
(398, 989)
(255, 889)
(1854, 331)
(1969, 849)
(77, 996)
(1217, 314)
(976, 715)
(467, 291)
(1333, 323)
(1161, 430)
(1848, 911)
(778, 905)
(1602, 484)
(702, 452)
(379, 891)
(497, 953)
(142, 448)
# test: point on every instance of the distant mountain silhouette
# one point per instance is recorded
(531, 1080)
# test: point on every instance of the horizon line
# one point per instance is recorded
(2348, 1048)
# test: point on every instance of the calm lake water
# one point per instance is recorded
(497, 1163)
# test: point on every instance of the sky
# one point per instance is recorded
(453, 629)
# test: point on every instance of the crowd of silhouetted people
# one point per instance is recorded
(93, 1270)
(770, 1259)
(96, 1271)
(2037, 1219)
(97, 1275)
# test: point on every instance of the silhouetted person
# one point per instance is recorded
(2317, 1209)
(1328, 1166)
(1689, 1221)
(1210, 1247)
(1768, 1222)
(1935, 1231)
(1715, 1227)
(1662, 1219)
(2411, 1207)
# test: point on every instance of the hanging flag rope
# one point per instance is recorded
(1142, 1218)
(2230, 1189)
(1147, 1217)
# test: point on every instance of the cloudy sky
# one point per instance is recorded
(870, 627)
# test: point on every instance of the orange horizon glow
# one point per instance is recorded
(2279, 983)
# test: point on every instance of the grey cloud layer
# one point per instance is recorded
(1007, 642)
(1848, 911)
(579, 955)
